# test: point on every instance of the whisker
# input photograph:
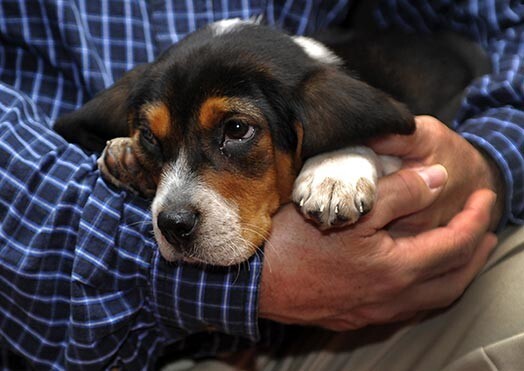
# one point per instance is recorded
(268, 243)
(142, 222)
(238, 272)
(259, 252)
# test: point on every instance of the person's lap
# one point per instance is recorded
(482, 330)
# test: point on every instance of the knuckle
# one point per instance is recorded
(394, 285)
(464, 256)
(411, 188)
(437, 132)
(397, 275)
(406, 279)
(463, 252)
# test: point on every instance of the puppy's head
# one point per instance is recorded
(221, 122)
(221, 179)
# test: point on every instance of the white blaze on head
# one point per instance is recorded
(230, 25)
(317, 50)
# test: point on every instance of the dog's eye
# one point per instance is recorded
(147, 135)
(238, 131)
(235, 134)
(149, 141)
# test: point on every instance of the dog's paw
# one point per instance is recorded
(337, 188)
(120, 167)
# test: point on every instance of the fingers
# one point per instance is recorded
(435, 293)
(405, 192)
(435, 267)
(427, 271)
(443, 290)
(437, 251)
(417, 145)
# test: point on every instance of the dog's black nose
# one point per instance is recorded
(177, 226)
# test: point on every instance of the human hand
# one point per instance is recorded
(468, 170)
(361, 275)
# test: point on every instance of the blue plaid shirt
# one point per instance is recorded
(82, 284)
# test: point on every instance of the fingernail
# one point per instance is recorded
(434, 176)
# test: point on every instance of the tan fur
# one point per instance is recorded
(212, 111)
(286, 170)
(257, 199)
(215, 109)
(159, 118)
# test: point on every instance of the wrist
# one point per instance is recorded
(273, 287)
(496, 181)
(290, 252)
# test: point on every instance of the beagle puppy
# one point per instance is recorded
(239, 118)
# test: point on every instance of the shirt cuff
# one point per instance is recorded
(192, 299)
(495, 139)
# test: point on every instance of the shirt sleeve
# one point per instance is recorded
(492, 112)
(82, 284)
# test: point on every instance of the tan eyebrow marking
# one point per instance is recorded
(212, 111)
(159, 118)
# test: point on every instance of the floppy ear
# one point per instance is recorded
(102, 118)
(338, 110)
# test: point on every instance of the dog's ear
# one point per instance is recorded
(102, 118)
(337, 110)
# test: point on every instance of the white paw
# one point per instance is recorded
(336, 188)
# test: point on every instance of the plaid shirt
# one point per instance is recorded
(82, 284)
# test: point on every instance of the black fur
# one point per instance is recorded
(336, 106)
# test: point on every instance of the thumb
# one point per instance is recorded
(416, 145)
(406, 192)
